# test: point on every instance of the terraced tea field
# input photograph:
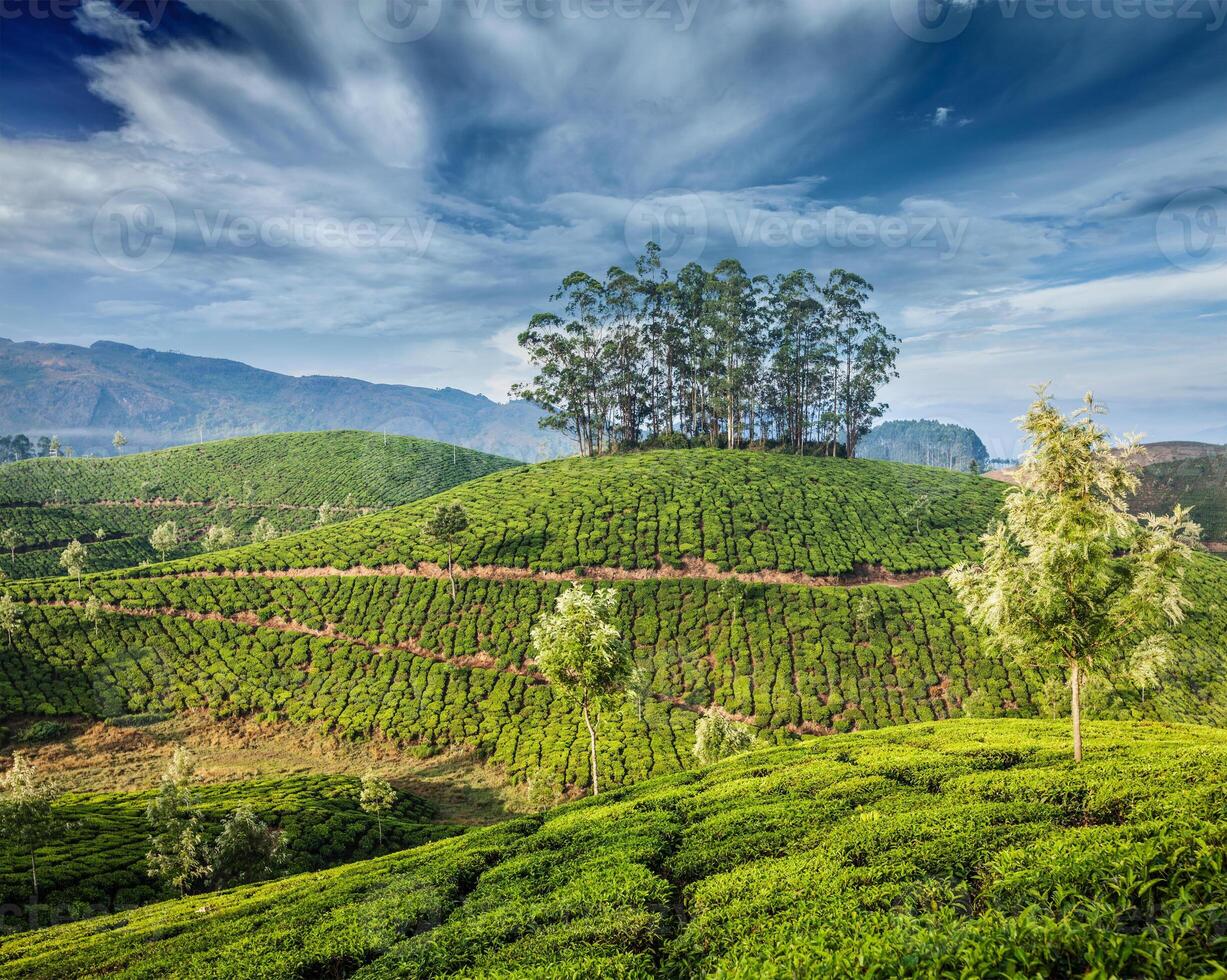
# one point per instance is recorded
(962, 848)
(98, 859)
(283, 479)
(391, 653)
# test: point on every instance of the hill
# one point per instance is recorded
(1199, 482)
(99, 856)
(925, 441)
(796, 593)
(954, 849)
(283, 478)
(160, 398)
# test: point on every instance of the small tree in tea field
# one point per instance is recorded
(218, 536)
(10, 616)
(178, 854)
(9, 539)
(581, 653)
(377, 798)
(717, 736)
(639, 687)
(164, 537)
(26, 817)
(1070, 579)
(263, 531)
(72, 560)
(119, 440)
(246, 850)
(449, 522)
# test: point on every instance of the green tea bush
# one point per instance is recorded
(97, 864)
(962, 848)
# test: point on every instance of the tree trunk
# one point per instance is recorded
(34, 875)
(1075, 683)
(450, 578)
(591, 749)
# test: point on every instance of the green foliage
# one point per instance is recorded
(444, 528)
(97, 861)
(579, 650)
(927, 442)
(377, 797)
(1199, 484)
(73, 558)
(40, 731)
(258, 483)
(246, 850)
(178, 853)
(717, 736)
(957, 849)
(1069, 577)
(26, 818)
(164, 537)
(739, 511)
(10, 616)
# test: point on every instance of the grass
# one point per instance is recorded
(962, 848)
(284, 478)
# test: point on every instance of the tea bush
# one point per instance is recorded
(741, 511)
(284, 478)
(97, 863)
(962, 848)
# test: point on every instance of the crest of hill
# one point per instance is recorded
(295, 468)
(283, 479)
(734, 511)
(960, 848)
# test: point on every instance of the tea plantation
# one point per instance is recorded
(394, 654)
(236, 482)
(961, 848)
(97, 862)
(746, 512)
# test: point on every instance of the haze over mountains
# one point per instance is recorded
(158, 399)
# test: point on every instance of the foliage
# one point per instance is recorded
(10, 616)
(449, 522)
(580, 651)
(73, 558)
(957, 849)
(246, 850)
(164, 537)
(26, 819)
(178, 853)
(717, 736)
(954, 447)
(1069, 577)
(377, 797)
(256, 486)
(715, 355)
(739, 511)
(218, 536)
(97, 862)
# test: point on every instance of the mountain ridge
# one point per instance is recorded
(164, 398)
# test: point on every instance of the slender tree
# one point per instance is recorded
(164, 537)
(377, 797)
(218, 536)
(1070, 579)
(26, 815)
(73, 559)
(10, 616)
(445, 528)
(581, 653)
(9, 539)
(247, 850)
(263, 531)
(178, 854)
(119, 440)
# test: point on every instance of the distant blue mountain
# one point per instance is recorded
(159, 398)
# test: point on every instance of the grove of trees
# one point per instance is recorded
(715, 357)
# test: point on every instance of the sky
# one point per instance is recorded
(389, 189)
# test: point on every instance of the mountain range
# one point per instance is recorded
(161, 398)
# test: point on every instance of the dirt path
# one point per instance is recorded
(691, 568)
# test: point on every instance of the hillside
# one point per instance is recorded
(748, 512)
(1199, 482)
(796, 593)
(99, 857)
(961, 848)
(284, 478)
(925, 441)
(160, 399)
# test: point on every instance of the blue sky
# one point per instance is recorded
(1038, 190)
